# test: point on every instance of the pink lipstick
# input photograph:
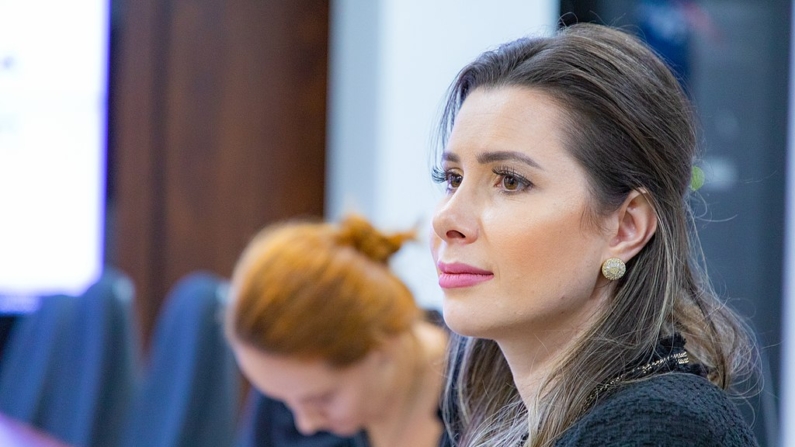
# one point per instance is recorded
(457, 275)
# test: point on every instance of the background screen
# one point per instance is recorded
(53, 103)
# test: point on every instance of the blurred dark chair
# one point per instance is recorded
(27, 362)
(69, 368)
(189, 393)
(269, 423)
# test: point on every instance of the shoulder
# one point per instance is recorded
(675, 409)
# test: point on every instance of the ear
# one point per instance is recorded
(637, 223)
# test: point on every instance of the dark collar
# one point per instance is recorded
(668, 356)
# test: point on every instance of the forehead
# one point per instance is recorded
(285, 377)
(493, 118)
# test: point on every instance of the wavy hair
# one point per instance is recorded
(630, 125)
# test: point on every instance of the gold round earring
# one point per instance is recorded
(613, 269)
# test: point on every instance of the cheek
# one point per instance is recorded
(349, 408)
(433, 245)
(535, 239)
(546, 252)
(434, 241)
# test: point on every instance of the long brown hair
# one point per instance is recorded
(630, 125)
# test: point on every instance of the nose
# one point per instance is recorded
(454, 220)
(307, 421)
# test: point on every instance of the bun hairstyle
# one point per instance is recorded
(358, 233)
(322, 291)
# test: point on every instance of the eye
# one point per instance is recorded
(511, 181)
(454, 180)
(325, 399)
(321, 400)
(451, 178)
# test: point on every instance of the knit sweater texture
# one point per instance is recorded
(672, 409)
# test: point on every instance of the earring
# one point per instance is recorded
(613, 269)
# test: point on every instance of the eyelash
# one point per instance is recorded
(503, 172)
(443, 176)
(438, 175)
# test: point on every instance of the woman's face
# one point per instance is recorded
(514, 248)
(322, 398)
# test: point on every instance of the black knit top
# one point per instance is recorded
(671, 409)
(663, 401)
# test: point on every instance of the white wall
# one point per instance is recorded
(391, 63)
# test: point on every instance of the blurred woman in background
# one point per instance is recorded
(321, 326)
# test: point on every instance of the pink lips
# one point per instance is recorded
(457, 275)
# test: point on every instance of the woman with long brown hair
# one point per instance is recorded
(568, 257)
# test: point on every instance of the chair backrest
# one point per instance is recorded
(91, 393)
(27, 362)
(189, 393)
(69, 368)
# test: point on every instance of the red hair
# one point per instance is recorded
(320, 291)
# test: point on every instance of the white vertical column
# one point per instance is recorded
(391, 64)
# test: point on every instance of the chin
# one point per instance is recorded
(462, 320)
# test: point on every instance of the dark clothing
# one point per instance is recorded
(271, 423)
(664, 400)
(672, 409)
(273, 426)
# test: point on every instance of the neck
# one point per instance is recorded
(532, 363)
(411, 407)
(535, 355)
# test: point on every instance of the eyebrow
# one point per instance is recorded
(490, 157)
